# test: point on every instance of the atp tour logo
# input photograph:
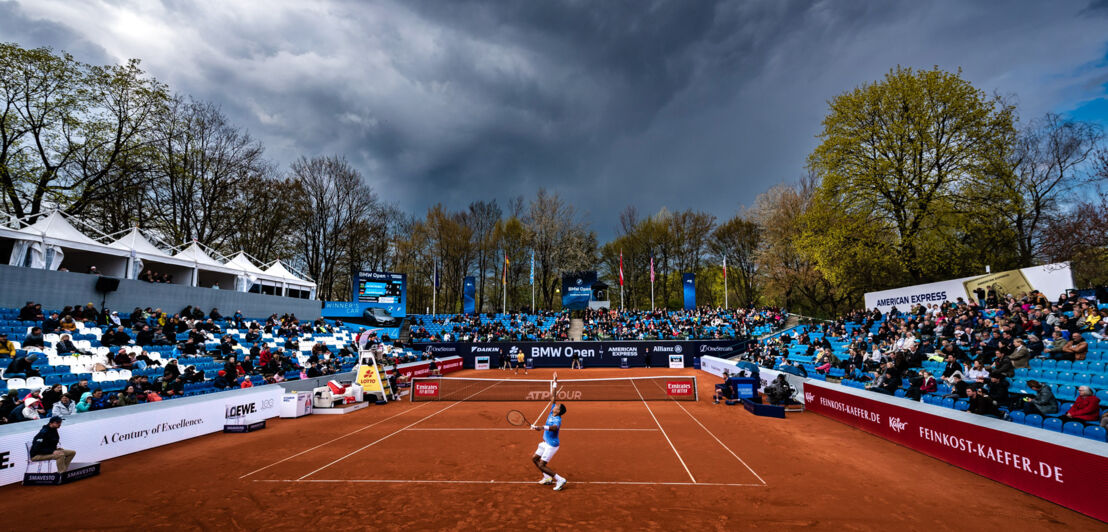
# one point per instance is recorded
(677, 348)
(579, 282)
(678, 388)
(896, 424)
(809, 397)
(426, 389)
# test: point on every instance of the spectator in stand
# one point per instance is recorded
(85, 404)
(958, 388)
(115, 337)
(23, 367)
(31, 312)
(123, 360)
(953, 367)
(1021, 354)
(1075, 349)
(45, 446)
(127, 397)
(65, 346)
(77, 391)
(981, 404)
(51, 395)
(52, 324)
(144, 336)
(1085, 408)
(34, 340)
(7, 347)
(93, 271)
(100, 400)
(997, 388)
(33, 407)
(65, 407)
(976, 372)
(1044, 402)
(222, 381)
(68, 324)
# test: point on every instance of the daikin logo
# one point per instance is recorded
(896, 424)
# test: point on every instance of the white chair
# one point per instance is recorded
(16, 383)
(111, 375)
(123, 374)
(50, 338)
(35, 383)
(44, 466)
(98, 376)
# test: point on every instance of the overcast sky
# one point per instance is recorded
(683, 104)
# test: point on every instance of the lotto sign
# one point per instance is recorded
(370, 380)
(426, 389)
(679, 388)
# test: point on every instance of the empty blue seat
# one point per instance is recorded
(1050, 363)
(1016, 416)
(1064, 365)
(1099, 382)
(1052, 423)
(961, 405)
(1080, 379)
(1068, 393)
(948, 402)
(1033, 420)
(1074, 428)
(1080, 366)
(899, 393)
(1095, 433)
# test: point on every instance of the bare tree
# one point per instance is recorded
(333, 201)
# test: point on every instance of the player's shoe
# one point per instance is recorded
(546, 480)
(561, 484)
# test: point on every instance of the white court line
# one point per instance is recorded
(486, 482)
(574, 429)
(330, 441)
(398, 431)
(671, 446)
(741, 461)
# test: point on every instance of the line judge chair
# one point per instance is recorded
(43, 466)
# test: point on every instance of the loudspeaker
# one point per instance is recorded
(107, 284)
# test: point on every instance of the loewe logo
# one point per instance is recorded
(896, 424)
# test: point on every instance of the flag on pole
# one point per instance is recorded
(504, 277)
(621, 268)
(532, 267)
(725, 267)
(436, 275)
(651, 267)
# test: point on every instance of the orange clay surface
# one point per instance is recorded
(461, 466)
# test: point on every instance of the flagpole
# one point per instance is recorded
(435, 289)
(725, 281)
(504, 284)
(621, 280)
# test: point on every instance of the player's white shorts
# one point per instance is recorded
(546, 452)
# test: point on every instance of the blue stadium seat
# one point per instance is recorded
(961, 405)
(1103, 396)
(1099, 382)
(948, 403)
(1016, 416)
(1036, 363)
(1067, 393)
(1081, 366)
(1033, 420)
(899, 393)
(1052, 423)
(1064, 365)
(1049, 364)
(1074, 428)
(1095, 433)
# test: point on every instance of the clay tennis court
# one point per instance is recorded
(462, 466)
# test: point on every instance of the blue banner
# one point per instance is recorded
(469, 291)
(688, 284)
(577, 290)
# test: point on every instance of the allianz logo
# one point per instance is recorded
(896, 424)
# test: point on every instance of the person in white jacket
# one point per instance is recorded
(65, 407)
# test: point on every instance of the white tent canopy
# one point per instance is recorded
(147, 256)
(53, 243)
(209, 272)
(278, 270)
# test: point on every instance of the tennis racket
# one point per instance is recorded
(515, 417)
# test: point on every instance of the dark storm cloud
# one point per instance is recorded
(663, 103)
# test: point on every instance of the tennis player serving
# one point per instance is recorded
(549, 446)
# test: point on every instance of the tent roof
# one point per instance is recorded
(56, 228)
(239, 261)
(278, 270)
(135, 241)
(193, 253)
(138, 243)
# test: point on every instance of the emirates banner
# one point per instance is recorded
(1060, 473)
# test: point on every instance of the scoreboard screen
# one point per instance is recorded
(384, 290)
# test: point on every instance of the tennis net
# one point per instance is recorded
(655, 388)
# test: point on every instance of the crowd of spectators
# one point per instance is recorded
(978, 344)
(700, 323)
(190, 331)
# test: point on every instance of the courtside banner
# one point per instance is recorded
(99, 436)
(426, 389)
(1067, 470)
(423, 368)
(369, 379)
(607, 354)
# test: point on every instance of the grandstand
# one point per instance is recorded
(795, 351)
